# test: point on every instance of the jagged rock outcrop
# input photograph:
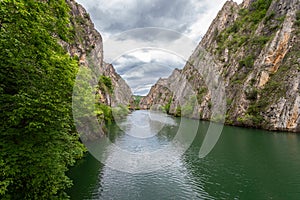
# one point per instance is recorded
(161, 92)
(88, 47)
(254, 47)
(122, 94)
(224, 19)
(85, 44)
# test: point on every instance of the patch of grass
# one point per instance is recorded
(136, 101)
(209, 104)
(247, 62)
(260, 40)
(269, 17)
(178, 111)
(236, 81)
(297, 23)
(228, 102)
(251, 120)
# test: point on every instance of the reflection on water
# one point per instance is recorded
(245, 164)
(155, 148)
(145, 124)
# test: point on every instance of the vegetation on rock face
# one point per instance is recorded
(256, 49)
(297, 23)
(38, 139)
(103, 111)
(240, 37)
(120, 112)
(136, 102)
(178, 111)
(106, 112)
(105, 84)
(168, 105)
(189, 106)
(240, 33)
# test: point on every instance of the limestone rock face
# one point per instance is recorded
(224, 19)
(253, 50)
(85, 44)
(122, 94)
(88, 48)
(161, 93)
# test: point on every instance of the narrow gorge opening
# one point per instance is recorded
(149, 100)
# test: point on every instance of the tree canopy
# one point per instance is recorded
(38, 140)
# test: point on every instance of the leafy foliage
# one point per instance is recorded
(105, 84)
(120, 112)
(104, 112)
(168, 105)
(38, 138)
(136, 101)
(178, 111)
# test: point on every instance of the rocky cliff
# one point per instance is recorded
(253, 51)
(85, 44)
(122, 94)
(160, 93)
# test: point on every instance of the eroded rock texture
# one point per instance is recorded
(253, 50)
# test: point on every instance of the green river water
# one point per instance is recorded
(244, 164)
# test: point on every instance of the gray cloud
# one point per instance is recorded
(150, 35)
(141, 69)
(189, 17)
(118, 16)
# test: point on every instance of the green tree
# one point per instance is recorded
(38, 140)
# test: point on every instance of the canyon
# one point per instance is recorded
(244, 72)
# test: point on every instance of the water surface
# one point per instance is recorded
(245, 164)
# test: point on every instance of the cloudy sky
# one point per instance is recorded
(147, 39)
